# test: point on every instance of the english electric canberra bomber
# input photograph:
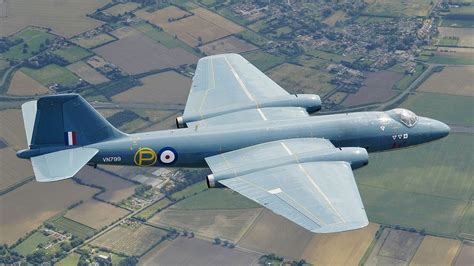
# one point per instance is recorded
(256, 138)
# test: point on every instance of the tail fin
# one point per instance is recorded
(57, 127)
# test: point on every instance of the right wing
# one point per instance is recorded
(321, 196)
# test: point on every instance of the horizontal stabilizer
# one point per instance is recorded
(60, 165)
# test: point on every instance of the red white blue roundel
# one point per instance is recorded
(168, 155)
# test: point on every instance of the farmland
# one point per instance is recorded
(23, 85)
(228, 224)
(410, 8)
(95, 214)
(435, 250)
(154, 208)
(93, 41)
(298, 79)
(162, 16)
(121, 9)
(33, 39)
(335, 17)
(262, 60)
(455, 80)
(229, 44)
(465, 255)
(394, 247)
(465, 35)
(116, 189)
(14, 170)
(14, 134)
(28, 206)
(189, 191)
(376, 88)
(441, 179)
(345, 248)
(133, 239)
(67, 19)
(215, 199)
(29, 245)
(71, 259)
(87, 73)
(192, 251)
(61, 223)
(72, 53)
(137, 53)
(166, 87)
(52, 74)
(427, 104)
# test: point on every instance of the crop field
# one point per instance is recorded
(72, 53)
(67, 19)
(346, 248)
(190, 191)
(216, 199)
(456, 80)
(335, 17)
(95, 214)
(452, 56)
(166, 87)
(121, 9)
(154, 208)
(436, 251)
(217, 20)
(409, 8)
(14, 134)
(440, 179)
(62, 223)
(428, 104)
(13, 169)
(87, 73)
(253, 37)
(465, 35)
(131, 240)
(137, 53)
(262, 60)
(52, 74)
(394, 247)
(376, 88)
(467, 225)
(28, 206)
(193, 251)
(228, 224)
(23, 85)
(116, 189)
(162, 16)
(313, 62)
(30, 244)
(71, 259)
(33, 37)
(229, 44)
(266, 235)
(457, 23)
(466, 255)
(93, 41)
(298, 79)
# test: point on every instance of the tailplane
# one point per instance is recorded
(58, 130)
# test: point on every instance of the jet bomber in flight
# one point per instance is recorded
(256, 138)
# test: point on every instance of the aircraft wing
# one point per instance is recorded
(228, 88)
(320, 196)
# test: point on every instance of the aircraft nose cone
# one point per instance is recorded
(440, 129)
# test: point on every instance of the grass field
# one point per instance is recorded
(190, 191)
(30, 244)
(23, 85)
(312, 61)
(406, 80)
(467, 225)
(346, 248)
(95, 214)
(33, 38)
(87, 73)
(72, 53)
(298, 79)
(451, 59)
(154, 208)
(229, 44)
(214, 199)
(409, 8)
(121, 9)
(335, 17)
(62, 223)
(394, 247)
(162, 16)
(131, 240)
(436, 251)
(165, 87)
(52, 74)
(465, 35)
(455, 80)
(71, 259)
(253, 37)
(262, 60)
(93, 41)
(447, 22)
(428, 104)
(335, 58)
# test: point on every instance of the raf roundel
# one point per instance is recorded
(168, 155)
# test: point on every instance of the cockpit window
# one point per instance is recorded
(407, 117)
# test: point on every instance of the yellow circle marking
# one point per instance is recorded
(145, 157)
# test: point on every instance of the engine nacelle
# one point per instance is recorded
(212, 182)
(180, 122)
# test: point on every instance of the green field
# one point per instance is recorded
(426, 187)
(51, 74)
(450, 109)
(452, 60)
(330, 56)
(311, 61)
(189, 191)
(71, 259)
(29, 245)
(253, 37)
(95, 41)
(214, 199)
(366, 20)
(459, 23)
(72, 53)
(448, 41)
(404, 82)
(154, 208)
(262, 60)
(467, 225)
(67, 225)
(408, 8)
(35, 40)
(168, 40)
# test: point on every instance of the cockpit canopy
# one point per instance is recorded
(407, 117)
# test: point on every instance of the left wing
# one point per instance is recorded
(318, 194)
